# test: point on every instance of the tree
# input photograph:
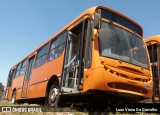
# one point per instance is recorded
(1, 90)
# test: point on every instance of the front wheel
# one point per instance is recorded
(53, 96)
(13, 97)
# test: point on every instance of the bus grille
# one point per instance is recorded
(126, 76)
(127, 87)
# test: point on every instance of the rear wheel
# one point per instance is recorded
(53, 95)
(13, 100)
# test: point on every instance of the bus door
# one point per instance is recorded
(9, 82)
(27, 76)
(154, 52)
(74, 65)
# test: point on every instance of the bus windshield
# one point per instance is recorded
(121, 44)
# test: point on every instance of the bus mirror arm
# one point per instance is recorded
(97, 20)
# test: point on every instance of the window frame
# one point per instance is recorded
(46, 53)
(23, 67)
(57, 46)
(11, 76)
(88, 54)
(122, 21)
(18, 68)
(130, 31)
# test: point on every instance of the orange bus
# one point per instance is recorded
(101, 52)
(153, 45)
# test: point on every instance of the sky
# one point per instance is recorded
(26, 24)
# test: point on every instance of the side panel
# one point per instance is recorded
(18, 93)
(10, 93)
(86, 80)
(25, 86)
(37, 90)
(97, 81)
(41, 75)
(17, 84)
(93, 77)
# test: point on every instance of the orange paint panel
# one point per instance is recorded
(125, 66)
(97, 80)
(90, 74)
(114, 76)
(37, 90)
(55, 66)
(18, 82)
(86, 80)
(25, 86)
(152, 40)
(18, 93)
(46, 71)
(10, 94)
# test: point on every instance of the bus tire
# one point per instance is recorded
(13, 100)
(53, 95)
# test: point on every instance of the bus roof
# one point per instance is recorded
(88, 12)
(155, 38)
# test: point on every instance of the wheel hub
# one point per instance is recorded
(53, 95)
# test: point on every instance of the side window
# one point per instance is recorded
(88, 45)
(10, 77)
(13, 73)
(57, 46)
(41, 56)
(23, 68)
(18, 70)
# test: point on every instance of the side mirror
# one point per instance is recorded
(97, 20)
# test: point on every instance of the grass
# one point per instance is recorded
(71, 110)
(65, 111)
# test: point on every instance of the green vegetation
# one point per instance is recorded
(1, 90)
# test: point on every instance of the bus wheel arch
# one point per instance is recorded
(13, 99)
(52, 90)
(53, 79)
